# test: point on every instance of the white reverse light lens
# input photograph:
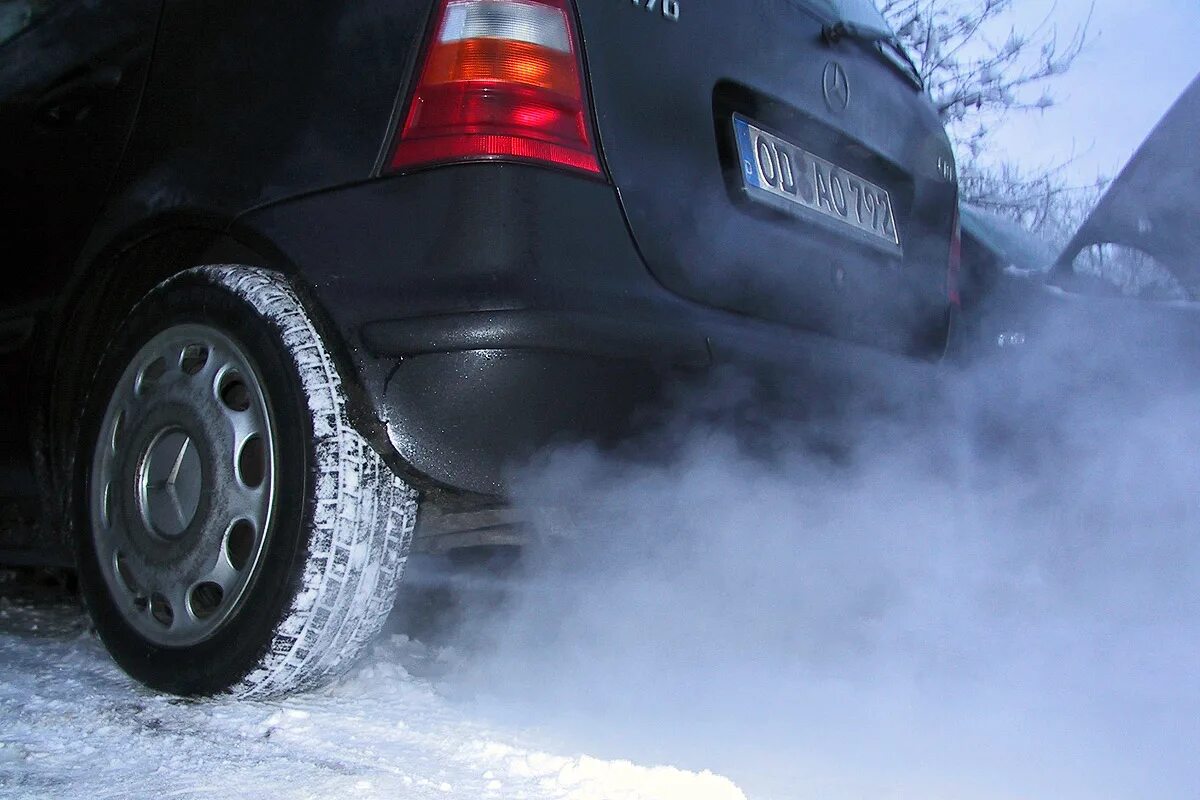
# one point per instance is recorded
(506, 19)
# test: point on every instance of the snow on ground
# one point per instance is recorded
(73, 725)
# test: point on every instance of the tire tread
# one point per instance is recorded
(363, 515)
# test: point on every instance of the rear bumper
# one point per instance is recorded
(491, 310)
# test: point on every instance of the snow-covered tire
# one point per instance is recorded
(180, 603)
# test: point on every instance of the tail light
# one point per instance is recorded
(954, 267)
(500, 79)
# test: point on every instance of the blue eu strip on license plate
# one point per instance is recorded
(787, 176)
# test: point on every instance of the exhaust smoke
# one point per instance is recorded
(995, 596)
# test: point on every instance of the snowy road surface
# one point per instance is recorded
(73, 726)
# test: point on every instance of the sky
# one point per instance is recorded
(1142, 55)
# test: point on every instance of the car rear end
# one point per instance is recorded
(697, 116)
(580, 200)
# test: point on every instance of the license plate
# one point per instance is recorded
(787, 176)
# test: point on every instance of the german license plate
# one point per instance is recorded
(785, 175)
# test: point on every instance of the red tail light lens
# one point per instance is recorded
(501, 79)
(954, 268)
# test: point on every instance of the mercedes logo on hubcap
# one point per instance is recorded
(835, 85)
(170, 483)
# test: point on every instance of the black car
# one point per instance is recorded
(280, 274)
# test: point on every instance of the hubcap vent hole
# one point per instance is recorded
(117, 431)
(125, 573)
(205, 599)
(234, 392)
(160, 609)
(151, 375)
(239, 544)
(106, 506)
(252, 463)
(195, 356)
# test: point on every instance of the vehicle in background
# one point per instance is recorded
(280, 273)
(1143, 238)
(1001, 261)
(1124, 296)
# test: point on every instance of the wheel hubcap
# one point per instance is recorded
(182, 489)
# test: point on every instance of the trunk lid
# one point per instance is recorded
(669, 80)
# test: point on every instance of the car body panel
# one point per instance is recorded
(249, 103)
(474, 357)
(69, 89)
(665, 94)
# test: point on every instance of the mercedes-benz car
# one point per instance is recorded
(290, 285)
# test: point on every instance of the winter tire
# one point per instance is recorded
(234, 532)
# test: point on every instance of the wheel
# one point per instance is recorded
(234, 533)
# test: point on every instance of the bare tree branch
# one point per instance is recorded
(978, 70)
(969, 75)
